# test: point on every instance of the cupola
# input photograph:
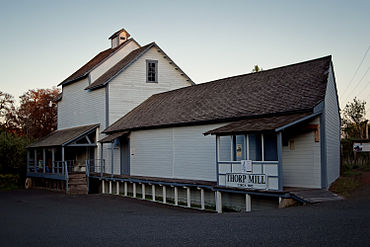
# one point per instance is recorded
(119, 37)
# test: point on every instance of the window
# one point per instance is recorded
(152, 71)
(255, 147)
(270, 146)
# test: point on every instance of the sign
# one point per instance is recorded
(361, 147)
(245, 180)
(247, 166)
(238, 150)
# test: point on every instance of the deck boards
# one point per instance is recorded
(315, 195)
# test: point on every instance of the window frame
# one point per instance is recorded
(148, 61)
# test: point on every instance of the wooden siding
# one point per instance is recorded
(332, 130)
(81, 107)
(130, 88)
(112, 60)
(182, 152)
(302, 166)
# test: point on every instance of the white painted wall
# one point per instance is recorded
(332, 130)
(79, 107)
(130, 88)
(112, 60)
(302, 166)
(180, 152)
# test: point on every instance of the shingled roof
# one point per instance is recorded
(90, 65)
(104, 78)
(126, 62)
(61, 137)
(295, 88)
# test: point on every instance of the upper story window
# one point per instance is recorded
(152, 71)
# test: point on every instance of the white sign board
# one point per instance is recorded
(245, 180)
(247, 166)
(361, 147)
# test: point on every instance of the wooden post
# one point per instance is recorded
(153, 192)
(176, 196)
(103, 187)
(101, 160)
(143, 191)
(52, 160)
(117, 188)
(28, 160)
(125, 188)
(35, 159)
(110, 187)
(202, 206)
(248, 203)
(43, 160)
(164, 194)
(63, 160)
(112, 159)
(218, 199)
(134, 190)
(188, 198)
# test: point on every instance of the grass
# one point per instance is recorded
(10, 182)
(347, 183)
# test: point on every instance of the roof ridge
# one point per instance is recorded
(112, 51)
(251, 73)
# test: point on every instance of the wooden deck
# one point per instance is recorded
(314, 195)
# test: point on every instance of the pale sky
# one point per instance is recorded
(43, 42)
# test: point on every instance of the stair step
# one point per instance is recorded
(80, 181)
(76, 176)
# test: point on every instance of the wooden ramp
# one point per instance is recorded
(315, 195)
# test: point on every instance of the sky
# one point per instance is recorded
(43, 42)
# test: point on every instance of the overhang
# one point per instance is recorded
(110, 138)
(63, 137)
(257, 124)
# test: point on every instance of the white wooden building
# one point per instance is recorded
(259, 134)
(136, 124)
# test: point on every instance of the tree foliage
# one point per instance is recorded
(8, 118)
(353, 119)
(37, 113)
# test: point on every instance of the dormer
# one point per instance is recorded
(119, 37)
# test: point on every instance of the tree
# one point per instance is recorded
(37, 113)
(257, 68)
(353, 118)
(8, 118)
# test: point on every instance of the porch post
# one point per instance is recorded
(28, 160)
(52, 159)
(280, 159)
(101, 160)
(62, 160)
(202, 206)
(218, 197)
(43, 159)
(112, 158)
(217, 157)
(176, 196)
(35, 159)
(153, 192)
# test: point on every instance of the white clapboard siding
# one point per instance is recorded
(301, 166)
(179, 152)
(112, 60)
(81, 107)
(332, 130)
(130, 88)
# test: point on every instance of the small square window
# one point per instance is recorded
(152, 71)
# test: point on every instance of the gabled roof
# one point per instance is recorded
(118, 32)
(293, 88)
(258, 124)
(90, 65)
(125, 63)
(64, 136)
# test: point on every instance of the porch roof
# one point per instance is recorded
(63, 137)
(257, 124)
(110, 138)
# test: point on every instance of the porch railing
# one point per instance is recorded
(95, 166)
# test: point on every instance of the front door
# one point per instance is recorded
(125, 156)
